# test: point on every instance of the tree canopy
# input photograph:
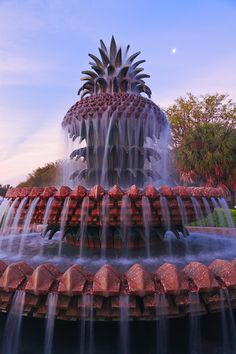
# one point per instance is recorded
(207, 155)
(3, 189)
(189, 112)
(42, 176)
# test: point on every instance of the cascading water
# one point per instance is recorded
(125, 220)
(147, 219)
(165, 212)
(104, 221)
(227, 213)
(87, 313)
(231, 319)
(46, 215)
(208, 211)
(218, 211)
(27, 223)
(45, 223)
(64, 215)
(21, 206)
(49, 330)
(30, 213)
(198, 211)
(15, 225)
(68, 165)
(227, 323)
(5, 205)
(224, 324)
(161, 323)
(195, 341)
(8, 218)
(121, 157)
(83, 224)
(124, 323)
(91, 330)
(182, 210)
(11, 336)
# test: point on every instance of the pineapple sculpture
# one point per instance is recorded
(118, 127)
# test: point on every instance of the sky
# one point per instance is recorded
(189, 46)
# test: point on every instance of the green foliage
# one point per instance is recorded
(4, 189)
(203, 140)
(42, 176)
(216, 219)
(207, 155)
(189, 112)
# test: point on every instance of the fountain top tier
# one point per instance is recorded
(115, 72)
(122, 136)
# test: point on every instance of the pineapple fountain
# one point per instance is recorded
(114, 203)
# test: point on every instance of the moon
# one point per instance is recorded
(173, 50)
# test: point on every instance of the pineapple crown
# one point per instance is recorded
(115, 72)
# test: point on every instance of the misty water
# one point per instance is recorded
(201, 247)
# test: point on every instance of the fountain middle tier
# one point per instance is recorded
(150, 210)
(143, 289)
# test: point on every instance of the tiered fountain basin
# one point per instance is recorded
(107, 286)
(87, 206)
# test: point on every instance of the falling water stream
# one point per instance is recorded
(83, 224)
(218, 211)
(124, 324)
(197, 210)
(8, 218)
(195, 341)
(228, 215)
(208, 211)
(15, 224)
(161, 323)
(46, 214)
(16, 221)
(224, 325)
(104, 221)
(26, 227)
(4, 206)
(64, 215)
(147, 219)
(45, 222)
(49, 330)
(125, 221)
(165, 213)
(227, 323)
(86, 325)
(182, 210)
(11, 335)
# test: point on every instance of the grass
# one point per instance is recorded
(219, 219)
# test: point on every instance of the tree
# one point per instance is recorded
(207, 155)
(191, 111)
(42, 176)
(4, 189)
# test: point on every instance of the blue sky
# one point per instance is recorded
(44, 46)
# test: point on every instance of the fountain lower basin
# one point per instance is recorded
(107, 285)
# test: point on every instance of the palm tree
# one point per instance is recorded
(207, 155)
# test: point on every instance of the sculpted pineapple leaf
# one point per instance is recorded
(115, 72)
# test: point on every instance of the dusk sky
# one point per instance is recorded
(44, 46)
